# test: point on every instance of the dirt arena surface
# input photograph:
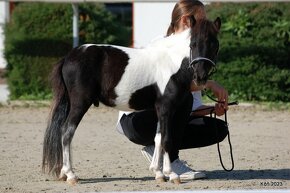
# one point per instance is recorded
(104, 160)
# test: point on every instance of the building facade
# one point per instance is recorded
(3, 18)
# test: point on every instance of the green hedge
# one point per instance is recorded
(254, 57)
(39, 34)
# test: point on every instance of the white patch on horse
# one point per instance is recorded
(155, 63)
(66, 169)
(166, 164)
(154, 166)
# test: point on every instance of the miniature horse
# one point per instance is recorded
(158, 76)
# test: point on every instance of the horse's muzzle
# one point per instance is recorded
(207, 71)
(201, 59)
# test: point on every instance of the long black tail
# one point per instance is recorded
(52, 144)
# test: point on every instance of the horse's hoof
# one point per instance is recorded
(159, 177)
(176, 181)
(160, 180)
(174, 178)
(62, 178)
(72, 181)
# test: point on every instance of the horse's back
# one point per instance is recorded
(94, 71)
(117, 76)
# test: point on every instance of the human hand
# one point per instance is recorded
(219, 109)
(221, 94)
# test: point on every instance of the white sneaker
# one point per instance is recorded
(148, 152)
(185, 172)
(178, 166)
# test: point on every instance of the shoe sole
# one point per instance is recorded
(145, 154)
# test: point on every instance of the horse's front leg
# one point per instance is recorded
(155, 163)
(166, 144)
(165, 115)
(173, 177)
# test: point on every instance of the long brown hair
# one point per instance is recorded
(185, 8)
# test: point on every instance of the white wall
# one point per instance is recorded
(2, 21)
(2, 12)
(2, 60)
(151, 20)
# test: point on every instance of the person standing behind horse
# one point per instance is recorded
(140, 127)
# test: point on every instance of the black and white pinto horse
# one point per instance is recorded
(158, 76)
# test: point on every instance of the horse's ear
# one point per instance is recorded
(192, 20)
(218, 23)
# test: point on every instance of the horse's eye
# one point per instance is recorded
(217, 47)
(193, 44)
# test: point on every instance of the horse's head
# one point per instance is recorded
(204, 47)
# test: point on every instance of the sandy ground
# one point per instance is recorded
(106, 161)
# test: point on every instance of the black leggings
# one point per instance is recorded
(140, 128)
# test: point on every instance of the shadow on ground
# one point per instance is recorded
(275, 174)
(108, 179)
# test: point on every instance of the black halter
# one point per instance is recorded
(193, 61)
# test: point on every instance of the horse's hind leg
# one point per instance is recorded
(78, 108)
(155, 163)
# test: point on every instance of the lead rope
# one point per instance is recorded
(229, 139)
(218, 144)
(226, 121)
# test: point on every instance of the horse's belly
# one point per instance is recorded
(138, 74)
(137, 98)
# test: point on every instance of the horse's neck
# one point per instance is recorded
(172, 40)
(175, 44)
